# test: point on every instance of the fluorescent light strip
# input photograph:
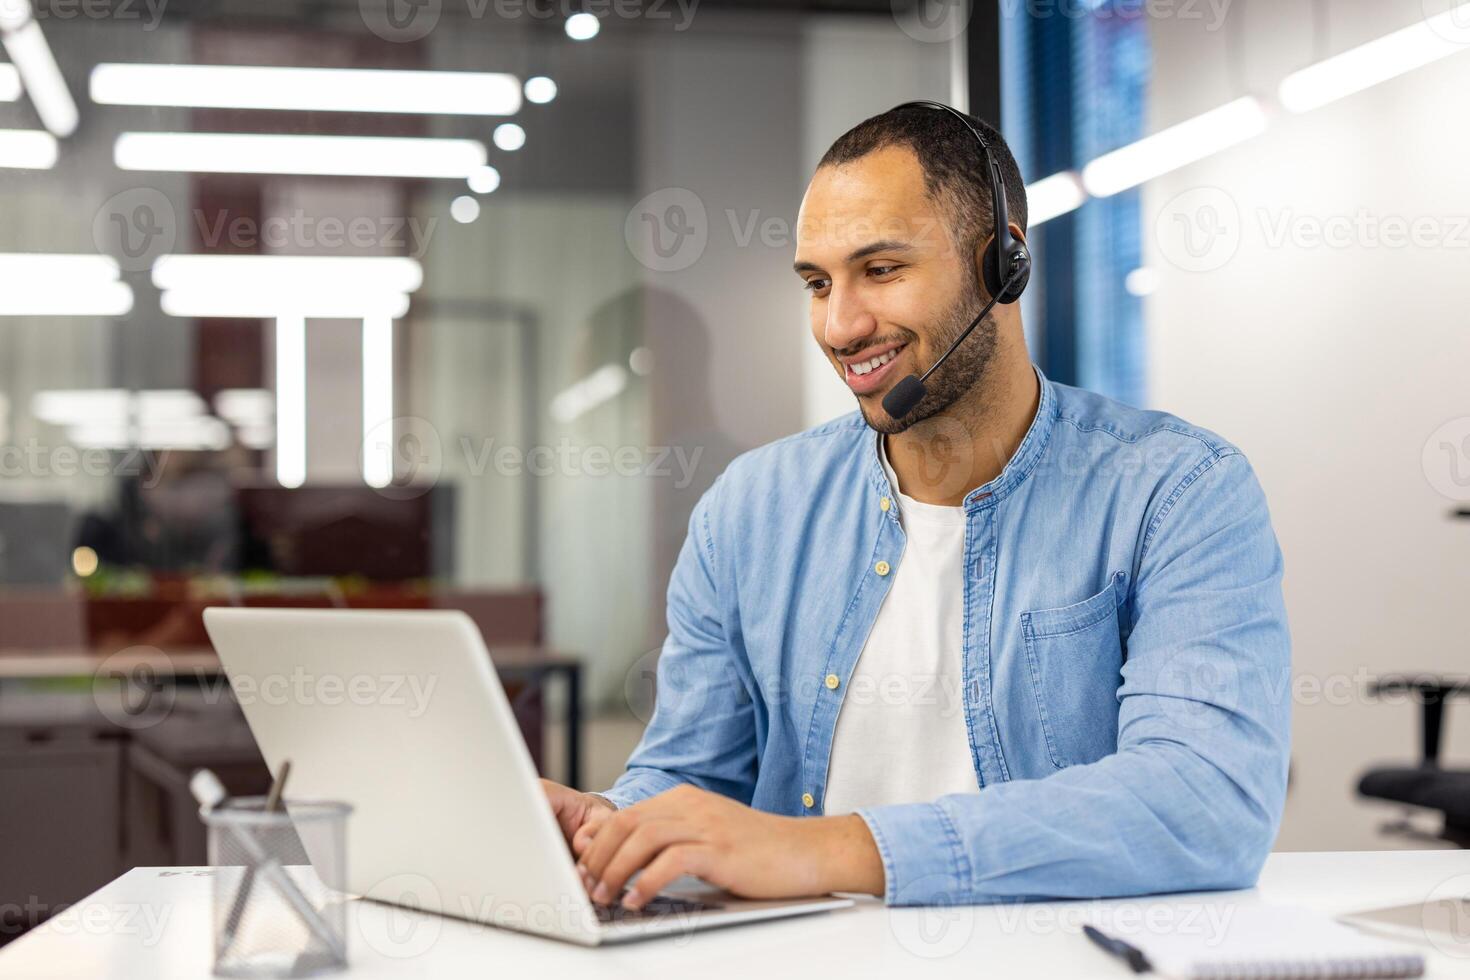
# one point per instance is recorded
(9, 83)
(289, 272)
(459, 93)
(32, 57)
(27, 149)
(1377, 61)
(203, 433)
(291, 400)
(1052, 197)
(377, 401)
(47, 284)
(56, 270)
(1175, 147)
(249, 304)
(333, 156)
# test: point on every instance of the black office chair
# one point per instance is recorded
(1425, 785)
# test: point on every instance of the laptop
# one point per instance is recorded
(402, 715)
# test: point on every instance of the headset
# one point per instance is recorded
(1005, 267)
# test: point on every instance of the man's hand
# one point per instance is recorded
(575, 810)
(744, 851)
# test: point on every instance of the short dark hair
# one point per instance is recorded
(950, 157)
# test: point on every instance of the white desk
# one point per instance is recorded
(154, 924)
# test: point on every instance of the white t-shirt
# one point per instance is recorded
(901, 734)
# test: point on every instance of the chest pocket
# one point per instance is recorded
(1075, 656)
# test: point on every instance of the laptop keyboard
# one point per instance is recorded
(659, 905)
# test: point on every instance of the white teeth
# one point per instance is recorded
(877, 362)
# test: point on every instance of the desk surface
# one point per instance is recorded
(154, 924)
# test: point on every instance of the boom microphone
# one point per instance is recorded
(910, 390)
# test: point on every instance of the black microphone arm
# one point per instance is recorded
(910, 390)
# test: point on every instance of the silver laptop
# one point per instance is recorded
(401, 714)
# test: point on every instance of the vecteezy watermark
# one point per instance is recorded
(299, 232)
(1211, 12)
(412, 692)
(135, 226)
(405, 21)
(1446, 459)
(1201, 229)
(1446, 917)
(140, 224)
(143, 920)
(417, 459)
(33, 458)
(931, 21)
(669, 230)
(149, 12)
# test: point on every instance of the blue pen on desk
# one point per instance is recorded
(1131, 955)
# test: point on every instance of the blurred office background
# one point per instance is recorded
(477, 335)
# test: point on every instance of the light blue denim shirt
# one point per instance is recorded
(1125, 651)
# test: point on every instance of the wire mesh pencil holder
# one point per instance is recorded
(279, 909)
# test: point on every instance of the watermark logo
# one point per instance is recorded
(134, 688)
(1446, 917)
(400, 21)
(414, 454)
(136, 226)
(404, 931)
(942, 925)
(668, 230)
(931, 21)
(1446, 459)
(1450, 19)
(1199, 230)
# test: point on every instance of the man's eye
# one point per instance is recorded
(816, 284)
(882, 270)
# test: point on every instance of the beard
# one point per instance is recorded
(964, 369)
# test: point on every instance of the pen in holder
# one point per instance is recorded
(280, 868)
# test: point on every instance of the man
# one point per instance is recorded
(1024, 641)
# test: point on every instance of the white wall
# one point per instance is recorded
(1331, 367)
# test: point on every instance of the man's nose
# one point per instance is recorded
(849, 320)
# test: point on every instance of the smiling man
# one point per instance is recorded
(1023, 641)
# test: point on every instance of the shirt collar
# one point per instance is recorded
(1017, 468)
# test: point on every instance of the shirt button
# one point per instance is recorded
(881, 568)
(808, 801)
(884, 504)
(832, 681)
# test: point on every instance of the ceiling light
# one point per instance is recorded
(540, 90)
(32, 57)
(485, 180)
(464, 209)
(10, 83)
(461, 93)
(510, 137)
(1175, 147)
(1377, 61)
(27, 149)
(1051, 197)
(341, 156)
(582, 27)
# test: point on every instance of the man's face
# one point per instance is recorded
(890, 290)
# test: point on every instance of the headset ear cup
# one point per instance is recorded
(990, 268)
(1020, 257)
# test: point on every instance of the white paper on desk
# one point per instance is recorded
(1266, 941)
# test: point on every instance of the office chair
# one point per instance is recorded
(1425, 785)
